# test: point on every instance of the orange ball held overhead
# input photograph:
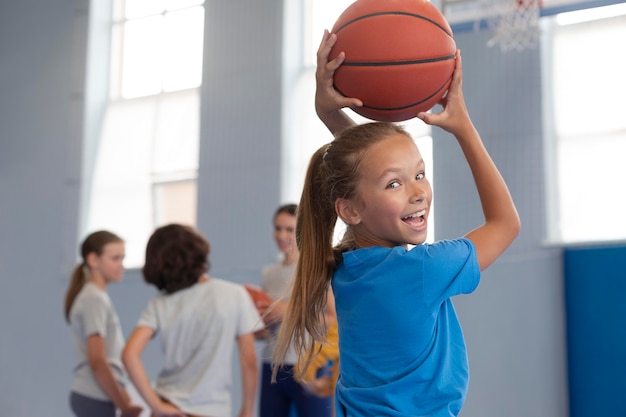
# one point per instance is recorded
(400, 56)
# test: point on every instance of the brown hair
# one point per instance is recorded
(176, 257)
(94, 243)
(333, 173)
(286, 208)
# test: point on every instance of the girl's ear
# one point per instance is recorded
(92, 260)
(347, 211)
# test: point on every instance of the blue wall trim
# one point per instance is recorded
(595, 302)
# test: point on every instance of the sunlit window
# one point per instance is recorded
(157, 47)
(146, 163)
(584, 66)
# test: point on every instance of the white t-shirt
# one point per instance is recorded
(92, 313)
(276, 280)
(198, 327)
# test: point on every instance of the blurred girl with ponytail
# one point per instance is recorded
(99, 378)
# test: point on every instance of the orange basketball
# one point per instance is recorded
(259, 297)
(400, 56)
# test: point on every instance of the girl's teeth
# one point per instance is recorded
(414, 215)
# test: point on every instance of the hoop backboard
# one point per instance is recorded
(460, 12)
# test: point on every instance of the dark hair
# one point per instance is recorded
(333, 173)
(286, 208)
(176, 257)
(93, 243)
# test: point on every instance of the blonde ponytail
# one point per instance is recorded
(303, 325)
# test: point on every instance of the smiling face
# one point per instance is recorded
(285, 233)
(393, 196)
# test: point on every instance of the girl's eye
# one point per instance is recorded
(393, 184)
(420, 176)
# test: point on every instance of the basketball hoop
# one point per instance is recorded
(514, 23)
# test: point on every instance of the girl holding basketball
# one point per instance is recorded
(401, 347)
(99, 378)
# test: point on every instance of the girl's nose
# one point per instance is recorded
(419, 191)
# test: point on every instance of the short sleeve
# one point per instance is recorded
(249, 319)
(454, 269)
(94, 315)
(148, 317)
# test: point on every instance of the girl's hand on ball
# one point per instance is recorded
(327, 98)
(454, 117)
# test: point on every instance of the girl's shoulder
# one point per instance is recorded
(376, 254)
(443, 250)
(276, 268)
(459, 244)
(92, 293)
(221, 287)
(89, 301)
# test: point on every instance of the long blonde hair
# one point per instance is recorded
(333, 173)
(94, 243)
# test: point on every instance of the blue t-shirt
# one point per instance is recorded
(401, 347)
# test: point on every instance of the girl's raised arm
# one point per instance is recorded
(328, 101)
(502, 223)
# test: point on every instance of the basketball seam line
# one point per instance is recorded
(392, 63)
(395, 13)
(401, 107)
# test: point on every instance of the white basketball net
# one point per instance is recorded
(514, 23)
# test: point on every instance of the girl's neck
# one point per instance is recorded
(99, 282)
(290, 258)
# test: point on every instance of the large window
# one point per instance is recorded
(586, 124)
(146, 162)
